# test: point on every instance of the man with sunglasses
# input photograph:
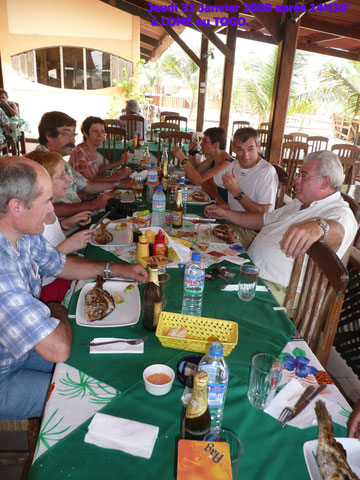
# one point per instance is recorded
(57, 134)
(317, 213)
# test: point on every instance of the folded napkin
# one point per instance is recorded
(128, 436)
(234, 288)
(115, 347)
(237, 260)
(289, 395)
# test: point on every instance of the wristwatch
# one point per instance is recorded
(193, 152)
(184, 161)
(107, 270)
(240, 196)
(324, 225)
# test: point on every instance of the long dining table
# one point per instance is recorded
(113, 384)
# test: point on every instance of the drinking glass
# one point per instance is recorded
(235, 447)
(248, 278)
(203, 237)
(168, 220)
(138, 187)
(164, 288)
(264, 377)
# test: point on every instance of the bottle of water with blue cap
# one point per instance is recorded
(194, 282)
(216, 367)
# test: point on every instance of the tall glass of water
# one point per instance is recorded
(248, 278)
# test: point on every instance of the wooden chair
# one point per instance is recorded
(348, 155)
(177, 119)
(263, 138)
(113, 134)
(296, 137)
(112, 122)
(292, 157)
(321, 297)
(317, 143)
(11, 456)
(239, 124)
(134, 123)
(283, 181)
(157, 127)
(4, 149)
(264, 126)
(165, 114)
(172, 138)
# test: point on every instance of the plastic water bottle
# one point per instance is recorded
(184, 193)
(153, 173)
(158, 208)
(194, 282)
(216, 367)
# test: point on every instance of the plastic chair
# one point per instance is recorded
(134, 123)
(112, 135)
(239, 124)
(296, 137)
(157, 127)
(321, 297)
(172, 138)
(165, 114)
(292, 157)
(317, 143)
(12, 456)
(177, 119)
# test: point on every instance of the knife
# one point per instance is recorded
(93, 227)
(199, 219)
(304, 401)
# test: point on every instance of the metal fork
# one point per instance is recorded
(135, 341)
(287, 412)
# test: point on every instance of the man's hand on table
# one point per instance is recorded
(135, 272)
(299, 238)
(353, 422)
(214, 211)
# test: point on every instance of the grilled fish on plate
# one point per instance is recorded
(98, 302)
(330, 454)
(101, 236)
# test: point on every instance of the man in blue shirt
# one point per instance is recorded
(33, 335)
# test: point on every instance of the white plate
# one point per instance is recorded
(195, 189)
(126, 196)
(126, 313)
(120, 238)
(351, 445)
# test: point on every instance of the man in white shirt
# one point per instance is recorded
(317, 213)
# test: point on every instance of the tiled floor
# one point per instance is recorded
(350, 382)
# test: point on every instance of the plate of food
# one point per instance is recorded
(126, 196)
(225, 234)
(108, 304)
(112, 234)
(198, 197)
(329, 457)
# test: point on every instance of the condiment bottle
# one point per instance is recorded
(159, 247)
(196, 423)
(151, 302)
(139, 139)
(135, 140)
(178, 210)
(142, 250)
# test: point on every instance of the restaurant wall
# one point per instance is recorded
(32, 24)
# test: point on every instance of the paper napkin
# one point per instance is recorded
(289, 395)
(237, 260)
(115, 347)
(234, 288)
(122, 434)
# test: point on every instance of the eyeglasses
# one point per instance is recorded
(305, 176)
(67, 134)
(61, 177)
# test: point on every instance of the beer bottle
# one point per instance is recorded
(164, 174)
(196, 423)
(178, 210)
(151, 302)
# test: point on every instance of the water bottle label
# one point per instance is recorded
(184, 197)
(152, 177)
(158, 205)
(194, 285)
(216, 395)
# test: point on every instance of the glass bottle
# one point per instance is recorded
(151, 301)
(164, 174)
(178, 210)
(196, 423)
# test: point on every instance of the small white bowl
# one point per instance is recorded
(152, 387)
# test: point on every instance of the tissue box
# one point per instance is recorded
(203, 460)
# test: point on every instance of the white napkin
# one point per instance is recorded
(183, 251)
(143, 174)
(115, 347)
(234, 287)
(285, 398)
(128, 436)
(237, 260)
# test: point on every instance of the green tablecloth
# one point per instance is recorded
(119, 146)
(269, 451)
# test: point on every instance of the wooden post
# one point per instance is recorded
(1, 74)
(228, 79)
(280, 98)
(202, 84)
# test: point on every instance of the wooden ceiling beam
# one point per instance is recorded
(268, 20)
(352, 31)
(149, 40)
(333, 52)
(258, 37)
(321, 37)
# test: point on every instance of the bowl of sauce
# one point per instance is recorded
(158, 379)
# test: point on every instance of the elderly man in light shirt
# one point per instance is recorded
(317, 213)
